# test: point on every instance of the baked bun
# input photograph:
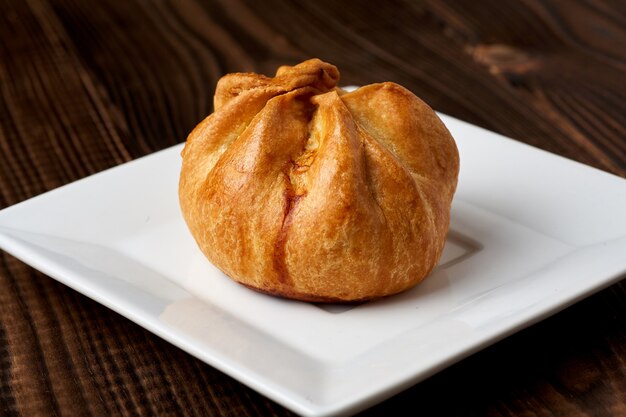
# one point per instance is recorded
(296, 188)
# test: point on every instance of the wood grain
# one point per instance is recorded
(88, 85)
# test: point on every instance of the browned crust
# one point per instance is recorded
(311, 298)
(295, 190)
(291, 200)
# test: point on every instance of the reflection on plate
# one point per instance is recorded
(530, 234)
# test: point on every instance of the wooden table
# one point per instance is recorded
(89, 85)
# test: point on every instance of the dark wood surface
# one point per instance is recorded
(86, 85)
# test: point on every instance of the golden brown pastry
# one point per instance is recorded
(296, 188)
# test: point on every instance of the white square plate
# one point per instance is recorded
(531, 233)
